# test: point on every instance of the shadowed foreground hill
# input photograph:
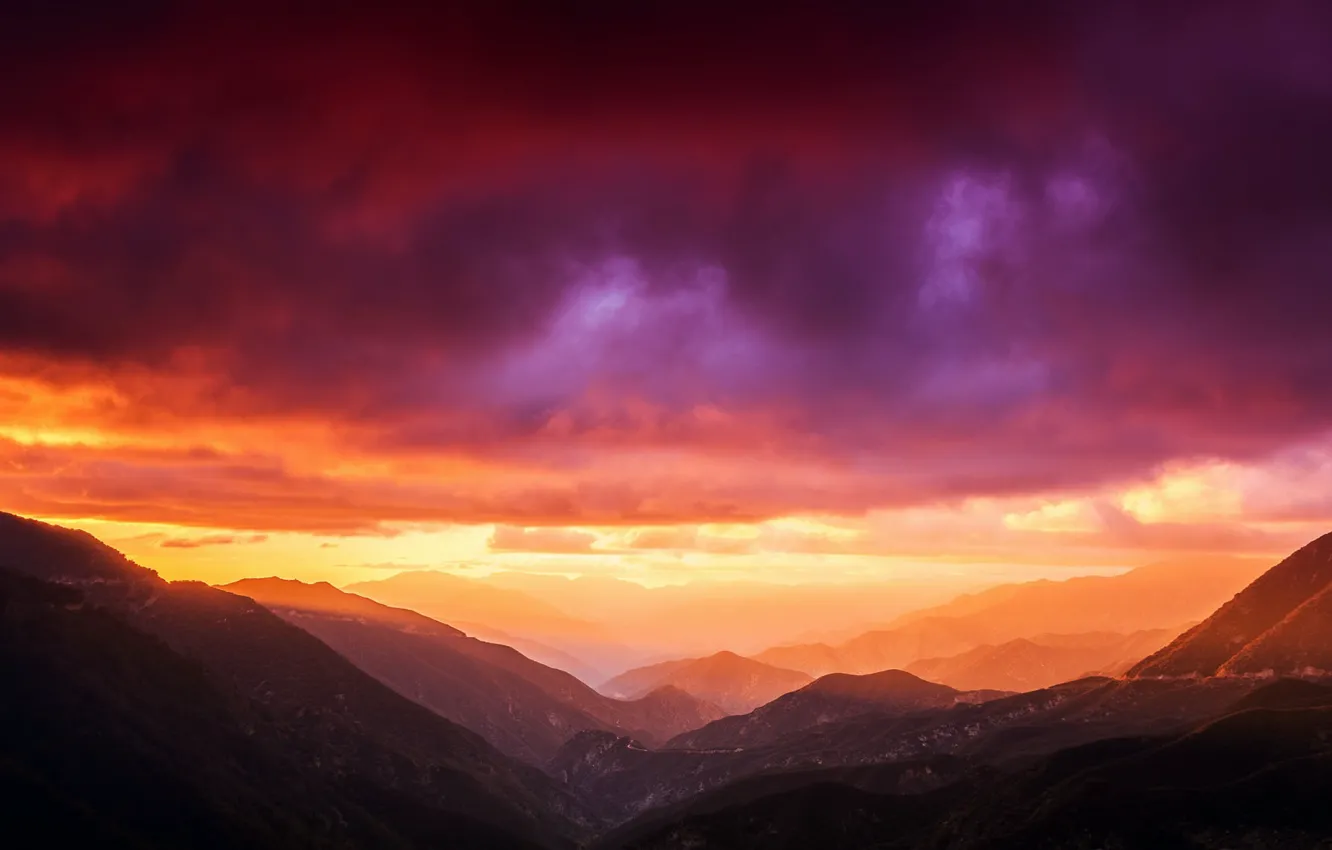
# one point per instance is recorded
(1256, 778)
(109, 739)
(392, 757)
(522, 707)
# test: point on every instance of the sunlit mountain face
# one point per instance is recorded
(922, 297)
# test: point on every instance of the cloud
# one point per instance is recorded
(842, 260)
(508, 538)
(211, 540)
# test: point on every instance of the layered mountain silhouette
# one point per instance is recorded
(1279, 624)
(143, 713)
(524, 708)
(628, 778)
(1027, 664)
(303, 704)
(1256, 778)
(1157, 596)
(830, 698)
(732, 682)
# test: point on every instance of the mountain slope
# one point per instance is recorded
(834, 697)
(732, 682)
(394, 755)
(1271, 602)
(1151, 597)
(109, 739)
(1301, 644)
(455, 599)
(1045, 660)
(96, 715)
(522, 707)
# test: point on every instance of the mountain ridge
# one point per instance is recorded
(1238, 630)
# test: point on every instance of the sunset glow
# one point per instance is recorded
(616, 326)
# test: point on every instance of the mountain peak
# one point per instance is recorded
(884, 684)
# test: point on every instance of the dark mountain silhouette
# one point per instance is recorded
(1256, 778)
(627, 777)
(395, 758)
(110, 739)
(1276, 625)
(522, 707)
(732, 682)
(1157, 596)
(834, 697)
(1039, 662)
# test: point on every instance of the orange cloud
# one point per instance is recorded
(508, 538)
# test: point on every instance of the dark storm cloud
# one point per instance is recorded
(970, 249)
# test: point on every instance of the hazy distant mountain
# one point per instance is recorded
(522, 707)
(454, 599)
(394, 758)
(697, 617)
(1157, 596)
(1279, 624)
(734, 683)
(446, 597)
(533, 649)
(1044, 660)
(836, 696)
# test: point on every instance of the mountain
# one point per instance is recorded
(455, 599)
(390, 756)
(522, 707)
(1276, 625)
(640, 680)
(628, 778)
(732, 682)
(110, 739)
(834, 697)
(1254, 777)
(1156, 596)
(1027, 664)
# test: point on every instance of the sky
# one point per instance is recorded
(670, 291)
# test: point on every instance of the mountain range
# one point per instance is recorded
(830, 698)
(524, 708)
(1025, 664)
(107, 642)
(271, 713)
(1254, 777)
(1157, 596)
